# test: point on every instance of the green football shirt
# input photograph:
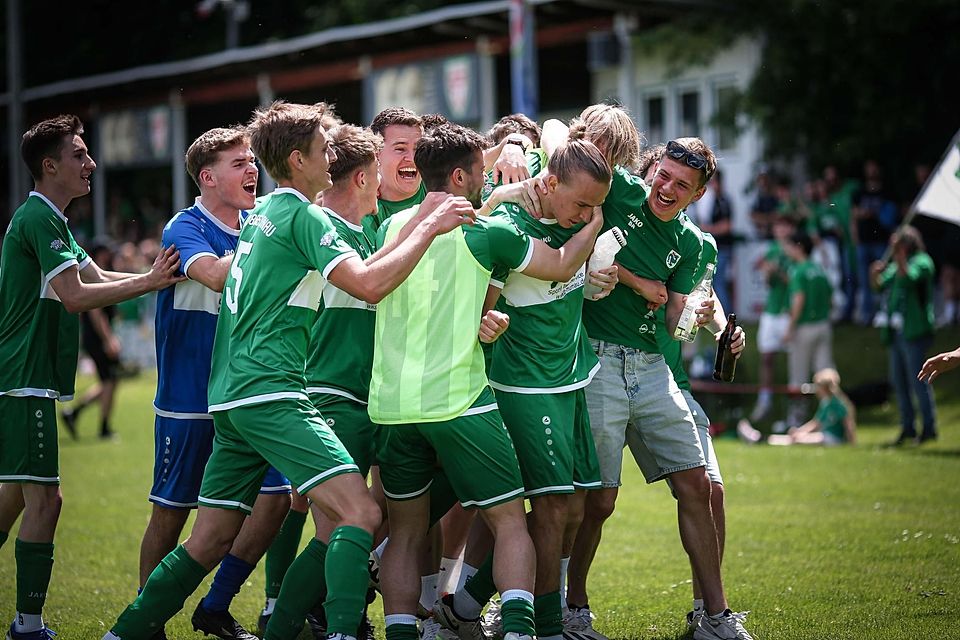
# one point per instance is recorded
(39, 340)
(777, 299)
(545, 350)
(286, 250)
(672, 349)
(341, 341)
(427, 363)
(386, 208)
(808, 277)
(911, 294)
(668, 252)
(831, 412)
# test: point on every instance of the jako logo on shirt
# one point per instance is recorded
(672, 259)
(634, 221)
(58, 244)
(328, 238)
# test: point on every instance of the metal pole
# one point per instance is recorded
(623, 25)
(178, 147)
(524, 82)
(99, 182)
(15, 108)
(487, 84)
(265, 91)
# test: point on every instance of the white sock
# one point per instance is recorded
(27, 622)
(697, 605)
(466, 572)
(268, 607)
(465, 606)
(448, 567)
(564, 563)
(399, 618)
(428, 591)
(380, 548)
(109, 636)
(516, 594)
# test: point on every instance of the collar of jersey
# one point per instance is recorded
(334, 214)
(293, 191)
(215, 220)
(49, 204)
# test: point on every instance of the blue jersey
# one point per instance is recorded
(187, 315)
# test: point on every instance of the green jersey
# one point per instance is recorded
(831, 412)
(664, 251)
(427, 362)
(536, 162)
(808, 278)
(341, 341)
(39, 340)
(545, 350)
(670, 348)
(911, 295)
(777, 299)
(386, 208)
(286, 250)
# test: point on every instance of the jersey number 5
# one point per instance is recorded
(231, 294)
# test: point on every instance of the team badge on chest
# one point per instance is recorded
(672, 259)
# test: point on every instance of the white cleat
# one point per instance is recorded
(726, 626)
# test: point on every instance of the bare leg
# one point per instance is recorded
(160, 538)
(698, 534)
(598, 506)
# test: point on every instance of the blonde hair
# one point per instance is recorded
(610, 128)
(579, 156)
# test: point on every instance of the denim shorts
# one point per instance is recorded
(634, 401)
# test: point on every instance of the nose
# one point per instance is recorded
(90, 163)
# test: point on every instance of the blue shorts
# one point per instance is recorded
(182, 448)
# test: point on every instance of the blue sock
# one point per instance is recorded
(231, 575)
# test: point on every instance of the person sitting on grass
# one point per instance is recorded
(834, 422)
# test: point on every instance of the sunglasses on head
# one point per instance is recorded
(693, 160)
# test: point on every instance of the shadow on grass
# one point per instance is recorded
(937, 453)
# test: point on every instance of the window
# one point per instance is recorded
(689, 113)
(655, 129)
(724, 118)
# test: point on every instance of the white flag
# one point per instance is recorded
(940, 197)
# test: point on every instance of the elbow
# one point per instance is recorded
(72, 306)
(372, 295)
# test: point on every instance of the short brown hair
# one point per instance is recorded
(444, 149)
(648, 157)
(395, 115)
(610, 126)
(281, 128)
(515, 123)
(579, 156)
(698, 146)
(46, 139)
(355, 148)
(205, 149)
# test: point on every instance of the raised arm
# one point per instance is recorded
(562, 264)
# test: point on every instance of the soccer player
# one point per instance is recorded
(635, 391)
(286, 253)
(222, 165)
(45, 280)
(539, 369)
(430, 391)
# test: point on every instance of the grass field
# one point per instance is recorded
(858, 542)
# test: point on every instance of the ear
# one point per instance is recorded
(552, 182)
(699, 193)
(457, 177)
(49, 165)
(295, 160)
(360, 179)
(206, 177)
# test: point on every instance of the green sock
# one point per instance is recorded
(480, 586)
(300, 591)
(3, 537)
(347, 579)
(34, 564)
(517, 615)
(283, 550)
(548, 615)
(171, 583)
(402, 632)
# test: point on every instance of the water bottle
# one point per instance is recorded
(687, 325)
(604, 251)
(726, 363)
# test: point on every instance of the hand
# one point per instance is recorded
(446, 212)
(938, 364)
(492, 325)
(606, 279)
(876, 268)
(654, 291)
(739, 341)
(526, 194)
(788, 336)
(165, 268)
(705, 312)
(511, 166)
(596, 221)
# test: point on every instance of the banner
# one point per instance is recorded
(940, 197)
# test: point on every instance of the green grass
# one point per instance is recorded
(859, 542)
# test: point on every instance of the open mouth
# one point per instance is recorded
(664, 201)
(250, 187)
(407, 173)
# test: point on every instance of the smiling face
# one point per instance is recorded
(316, 163)
(673, 187)
(73, 168)
(233, 176)
(399, 176)
(573, 202)
(370, 187)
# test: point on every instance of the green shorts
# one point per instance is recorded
(288, 434)
(351, 423)
(551, 433)
(28, 440)
(474, 449)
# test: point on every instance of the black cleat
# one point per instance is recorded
(219, 624)
(317, 621)
(70, 422)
